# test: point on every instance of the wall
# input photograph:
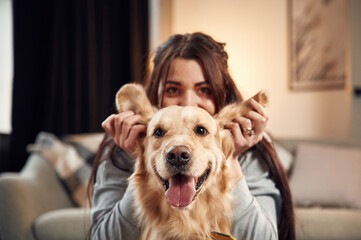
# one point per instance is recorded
(256, 36)
(356, 68)
(6, 66)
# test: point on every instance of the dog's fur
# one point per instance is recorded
(208, 145)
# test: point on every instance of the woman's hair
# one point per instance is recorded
(214, 60)
(211, 55)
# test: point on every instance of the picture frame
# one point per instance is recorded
(318, 44)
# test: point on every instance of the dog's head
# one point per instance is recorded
(185, 149)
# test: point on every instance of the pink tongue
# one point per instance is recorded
(181, 191)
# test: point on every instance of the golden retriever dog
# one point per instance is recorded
(181, 180)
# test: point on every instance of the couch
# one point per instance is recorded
(46, 199)
(326, 186)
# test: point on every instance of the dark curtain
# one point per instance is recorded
(70, 58)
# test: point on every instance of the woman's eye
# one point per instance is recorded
(158, 133)
(172, 90)
(201, 131)
(206, 91)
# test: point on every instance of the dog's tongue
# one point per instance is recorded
(181, 191)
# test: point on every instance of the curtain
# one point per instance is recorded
(70, 58)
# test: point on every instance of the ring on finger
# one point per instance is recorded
(248, 131)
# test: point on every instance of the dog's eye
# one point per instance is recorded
(201, 131)
(158, 133)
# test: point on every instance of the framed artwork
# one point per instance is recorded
(319, 43)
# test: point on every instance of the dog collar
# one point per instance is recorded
(221, 236)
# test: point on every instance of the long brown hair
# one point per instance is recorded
(198, 46)
(214, 60)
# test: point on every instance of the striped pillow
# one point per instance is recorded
(71, 158)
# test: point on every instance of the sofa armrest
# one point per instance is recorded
(76, 221)
(26, 195)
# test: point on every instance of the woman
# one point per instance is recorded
(192, 69)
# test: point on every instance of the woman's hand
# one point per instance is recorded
(247, 131)
(125, 130)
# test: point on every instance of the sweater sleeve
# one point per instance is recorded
(112, 210)
(257, 201)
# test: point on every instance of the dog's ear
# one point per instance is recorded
(132, 97)
(227, 143)
(231, 111)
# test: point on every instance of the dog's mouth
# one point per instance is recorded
(181, 190)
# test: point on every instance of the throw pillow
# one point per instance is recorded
(326, 176)
(71, 160)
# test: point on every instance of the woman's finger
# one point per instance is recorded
(258, 108)
(259, 122)
(241, 144)
(245, 124)
(130, 142)
(127, 125)
(236, 132)
(108, 125)
(118, 124)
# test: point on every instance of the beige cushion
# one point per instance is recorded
(64, 224)
(326, 176)
(327, 223)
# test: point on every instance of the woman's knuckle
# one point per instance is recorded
(126, 145)
(106, 127)
(126, 124)
(118, 120)
(262, 120)
(129, 146)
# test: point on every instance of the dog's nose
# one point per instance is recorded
(178, 155)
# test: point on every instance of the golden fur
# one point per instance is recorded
(210, 210)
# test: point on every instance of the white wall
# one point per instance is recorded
(256, 35)
(6, 65)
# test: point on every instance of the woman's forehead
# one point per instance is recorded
(183, 71)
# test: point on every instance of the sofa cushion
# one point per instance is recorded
(64, 224)
(327, 223)
(325, 175)
(71, 159)
(284, 155)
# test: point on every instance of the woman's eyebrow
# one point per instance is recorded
(201, 83)
(172, 82)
